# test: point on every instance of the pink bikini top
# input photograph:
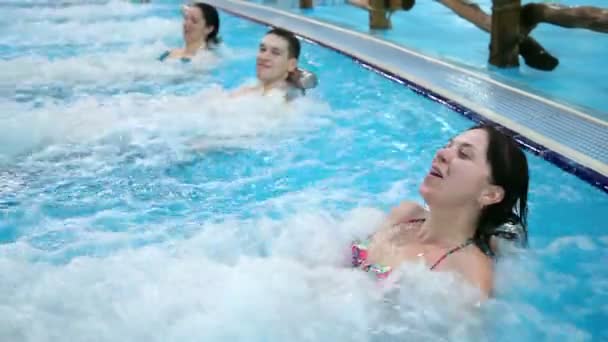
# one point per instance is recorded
(360, 255)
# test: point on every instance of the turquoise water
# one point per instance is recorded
(138, 202)
(435, 30)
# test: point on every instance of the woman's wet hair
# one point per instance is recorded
(509, 170)
(212, 18)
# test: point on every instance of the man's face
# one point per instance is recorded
(273, 62)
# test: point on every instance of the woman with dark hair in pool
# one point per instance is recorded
(476, 191)
(201, 26)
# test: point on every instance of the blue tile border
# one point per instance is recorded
(583, 172)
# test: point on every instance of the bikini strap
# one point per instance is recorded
(451, 251)
(164, 55)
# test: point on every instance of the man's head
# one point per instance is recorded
(277, 56)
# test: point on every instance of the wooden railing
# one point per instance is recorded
(509, 25)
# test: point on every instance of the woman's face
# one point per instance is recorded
(460, 173)
(194, 25)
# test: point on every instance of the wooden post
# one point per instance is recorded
(305, 3)
(505, 36)
(377, 15)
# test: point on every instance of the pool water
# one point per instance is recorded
(139, 202)
(433, 29)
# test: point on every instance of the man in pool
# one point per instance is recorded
(277, 67)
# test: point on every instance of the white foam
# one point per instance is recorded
(10, 182)
(88, 32)
(209, 118)
(85, 30)
(301, 237)
(273, 278)
(205, 286)
(599, 286)
(513, 270)
(117, 69)
(581, 242)
(520, 320)
(82, 11)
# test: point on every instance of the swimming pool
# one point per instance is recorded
(114, 227)
(435, 30)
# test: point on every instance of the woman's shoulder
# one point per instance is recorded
(477, 267)
(407, 210)
(172, 53)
